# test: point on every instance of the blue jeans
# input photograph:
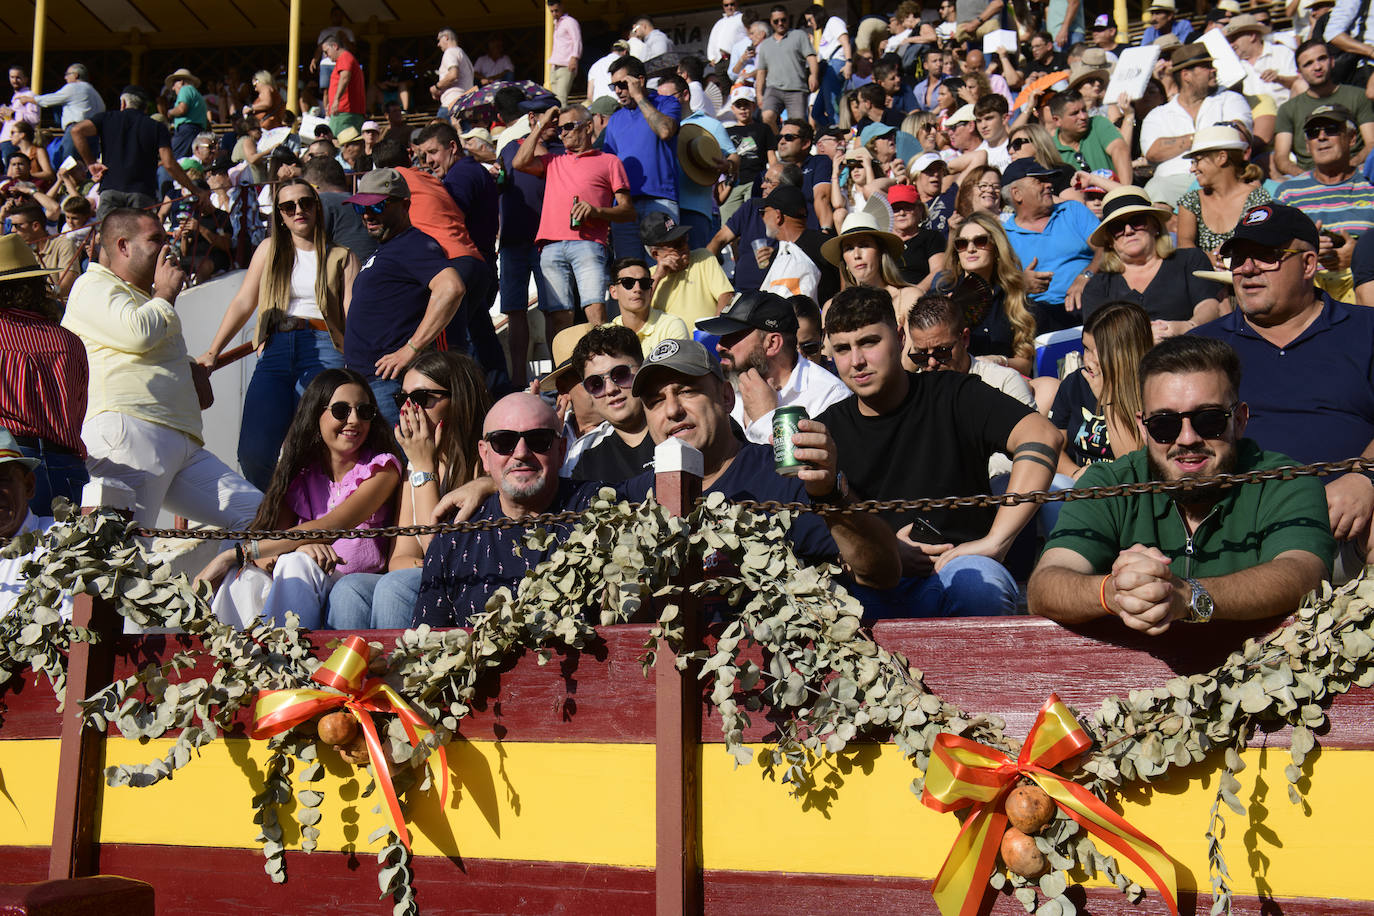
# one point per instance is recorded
(518, 261)
(61, 474)
(471, 330)
(832, 85)
(373, 601)
(965, 587)
(385, 390)
(287, 364)
(625, 236)
(574, 272)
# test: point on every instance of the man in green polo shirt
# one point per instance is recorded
(1238, 553)
(1089, 142)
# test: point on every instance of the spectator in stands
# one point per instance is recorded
(1163, 16)
(1003, 330)
(43, 378)
(727, 31)
(867, 256)
(55, 252)
(599, 73)
(565, 52)
(1270, 68)
(788, 68)
(41, 171)
(323, 60)
(353, 151)
(1104, 35)
(20, 110)
(1234, 553)
(78, 98)
(17, 487)
(455, 73)
(189, 116)
(605, 361)
(1051, 239)
(342, 225)
(1316, 67)
(495, 64)
(923, 249)
(687, 283)
(795, 263)
(268, 106)
(1228, 185)
(345, 101)
(205, 238)
(631, 288)
(758, 353)
(143, 425)
(705, 154)
(642, 135)
(1089, 143)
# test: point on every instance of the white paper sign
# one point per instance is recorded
(1134, 67)
(999, 39)
(1229, 69)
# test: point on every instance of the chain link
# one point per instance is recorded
(984, 501)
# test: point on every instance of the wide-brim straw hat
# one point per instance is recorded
(561, 349)
(1243, 23)
(181, 74)
(1217, 137)
(858, 225)
(699, 154)
(17, 260)
(1118, 205)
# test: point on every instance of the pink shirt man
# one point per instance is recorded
(593, 177)
(567, 41)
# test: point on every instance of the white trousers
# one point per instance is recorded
(296, 584)
(166, 468)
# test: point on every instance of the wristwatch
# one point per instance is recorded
(836, 497)
(1200, 606)
(420, 478)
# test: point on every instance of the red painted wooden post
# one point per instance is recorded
(677, 738)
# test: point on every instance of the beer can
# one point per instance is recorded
(785, 421)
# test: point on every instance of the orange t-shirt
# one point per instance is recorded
(433, 212)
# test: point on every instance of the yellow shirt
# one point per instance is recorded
(658, 328)
(693, 292)
(137, 356)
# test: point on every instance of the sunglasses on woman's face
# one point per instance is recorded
(1208, 423)
(963, 243)
(1018, 143)
(504, 441)
(340, 410)
(621, 376)
(644, 283)
(810, 348)
(424, 398)
(288, 207)
(1137, 223)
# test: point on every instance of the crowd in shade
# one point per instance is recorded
(951, 249)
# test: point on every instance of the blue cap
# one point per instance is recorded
(873, 131)
(1025, 168)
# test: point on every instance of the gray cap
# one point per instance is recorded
(685, 357)
(379, 184)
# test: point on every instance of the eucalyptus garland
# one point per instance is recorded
(826, 682)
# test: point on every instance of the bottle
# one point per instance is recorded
(574, 222)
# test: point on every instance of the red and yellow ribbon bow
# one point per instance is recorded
(346, 674)
(964, 772)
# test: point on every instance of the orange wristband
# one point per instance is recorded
(1102, 594)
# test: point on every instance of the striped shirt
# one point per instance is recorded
(1347, 206)
(43, 378)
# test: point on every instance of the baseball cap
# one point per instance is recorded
(960, 116)
(902, 194)
(604, 105)
(660, 229)
(1102, 22)
(1331, 114)
(925, 161)
(379, 184)
(9, 451)
(1274, 225)
(1025, 168)
(752, 309)
(685, 357)
(742, 92)
(371, 125)
(874, 131)
(790, 201)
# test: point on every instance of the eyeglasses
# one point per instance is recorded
(963, 243)
(620, 375)
(424, 398)
(375, 209)
(621, 84)
(810, 347)
(644, 283)
(789, 137)
(994, 187)
(1265, 258)
(1137, 223)
(1335, 131)
(1019, 142)
(941, 355)
(340, 410)
(1208, 423)
(288, 207)
(778, 21)
(504, 441)
(570, 126)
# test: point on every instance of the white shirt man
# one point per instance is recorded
(599, 73)
(455, 70)
(727, 31)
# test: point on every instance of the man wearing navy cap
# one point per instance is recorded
(796, 266)
(1051, 239)
(1308, 361)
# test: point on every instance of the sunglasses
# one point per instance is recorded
(963, 243)
(289, 207)
(1208, 423)
(778, 21)
(903, 208)
(810, 347)
(424, 398)
(570, 126)
(1265, 259)
(789, 137)
(375, 209)
(1136, 223)
(621, 375)
(340, 410)
(504, 441)
(941, 355)
(1018, 143)
(1335, 131)
(623, 85)
(644, 283)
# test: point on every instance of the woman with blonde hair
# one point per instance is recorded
(1228, 185)
(299, 286)
(869, 256)
(1006, 329)
(268, 105)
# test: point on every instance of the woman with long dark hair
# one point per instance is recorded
(299, 286)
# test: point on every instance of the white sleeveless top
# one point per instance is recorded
(303, 304)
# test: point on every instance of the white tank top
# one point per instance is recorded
(303, 304)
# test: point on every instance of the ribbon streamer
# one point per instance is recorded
(963, 773)
(346, 675)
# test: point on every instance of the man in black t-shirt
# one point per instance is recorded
(606, 361)
(909, 436)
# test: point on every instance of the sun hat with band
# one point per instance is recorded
(861, 225)
(699, 154)
(181, 74)
(561, 349)
(17, 260)
(1215, 138)
(1193, 54)
(1118, 205)
(10, 454)
(1243, 23)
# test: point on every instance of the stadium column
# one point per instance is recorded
(40, 20)
(293, 59)
(548, 47)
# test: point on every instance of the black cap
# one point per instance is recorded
(136, 90)
(660, 229)
(1275, 226)
(752, 309)
(1025, 168)
(787, 199)
(685, 357)
(222, 164)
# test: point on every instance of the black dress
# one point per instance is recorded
(1172, 294)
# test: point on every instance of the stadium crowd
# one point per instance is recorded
(937, 231)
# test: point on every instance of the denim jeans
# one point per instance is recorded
(384, 390)
(471, 330)
(518, 261)
(966, 587)
(61, 474)
(574, 272)
(373, 601)
(625, 236)
(287, 364)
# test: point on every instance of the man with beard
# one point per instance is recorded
(758, 351)
(1244, 552)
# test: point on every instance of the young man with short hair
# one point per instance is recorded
(605, 360)
(632, 289)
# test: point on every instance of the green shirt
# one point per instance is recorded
(1250, 525)
(1294, 111)
(1092, 149)
(195, 107)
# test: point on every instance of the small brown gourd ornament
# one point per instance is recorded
(337, 728)
(1021, 855)
(1029, 808)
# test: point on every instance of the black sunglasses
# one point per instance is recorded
(504, 441)
(375, 209)
(1324, 130)
(621, 375)
(789, 137)
(1018, 143)
(810, 347)
(644, 283)
(621, 84)
(570, 126)
(288, 207)
(340, 410)
(1208, 423)
(424, 398)
(941, 355)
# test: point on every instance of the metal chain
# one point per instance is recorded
(984, 501)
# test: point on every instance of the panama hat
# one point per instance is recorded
(1122, 203)
(181, 74)
(856, 225)
(561, 349)
(17, 260)
(1246, 23)
(9, 451)
(699, 154)
(1217, 137)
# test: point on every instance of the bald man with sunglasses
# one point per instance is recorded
(1245, 552)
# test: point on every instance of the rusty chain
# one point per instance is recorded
(984, 501)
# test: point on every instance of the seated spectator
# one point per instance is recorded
(796, 266)
(1308, 361)
(56, 252)
(1141, 265)
(1051, 239)
(338, 470)
(605, 361)
(443, 401)
(950, 559)
(205, 237)
(867, 256)
(1228, 185)
(43, 378)
(17, 488)
(923, 249)
(758, 353)
(1089, 142)
(77, 222)
(631, 290)
(1208, 553)
(1270, 68)
(687, 284)
(1032, 141)
(1004, 329)
(353, 151)
(745, 226)
(1316, 65)
(342, 225)
(981, 189)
